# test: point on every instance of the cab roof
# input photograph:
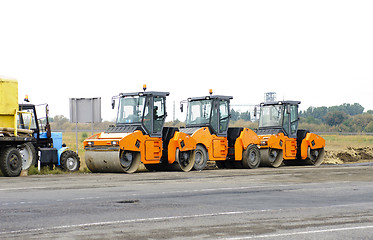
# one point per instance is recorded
(150, 93)
(210, 97)
(281, 103)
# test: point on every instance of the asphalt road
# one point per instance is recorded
(327, 202)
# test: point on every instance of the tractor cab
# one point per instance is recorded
(209, 111)
(145, 111)
(36, 118)
(48, 143)
(279, 116)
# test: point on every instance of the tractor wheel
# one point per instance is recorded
(10, 162)
(251, 157)
(28, 154)
(70, 161)
(201, 157)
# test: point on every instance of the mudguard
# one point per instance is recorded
(313, 141)
(59, 153)
(181, 141)
(246, 138)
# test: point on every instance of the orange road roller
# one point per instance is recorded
(139, 136)
(280, 139)
(207, 123)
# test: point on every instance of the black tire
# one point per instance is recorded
(10, 162)
(70, 161)
(28, 154)
(251, 157)
(201, 158)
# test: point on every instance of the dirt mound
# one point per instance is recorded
(350, 155)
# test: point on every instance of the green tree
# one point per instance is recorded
(350, 109)
(235, 115)
(369, 127)
(335, 118)
(245, 116)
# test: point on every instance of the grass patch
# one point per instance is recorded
(340, 142)
(46, 171)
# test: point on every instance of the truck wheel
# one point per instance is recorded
(251, 157)
(201, 158)
(28, 154)
(70, 161)
(10, 162)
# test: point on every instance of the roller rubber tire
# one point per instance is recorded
(201, 157)
(251, 157)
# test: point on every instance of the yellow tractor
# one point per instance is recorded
(280, 139)
(139, 136)
(207, 122)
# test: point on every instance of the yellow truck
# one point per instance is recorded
(12, 139)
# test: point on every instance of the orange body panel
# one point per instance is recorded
(313, 141)
(289, 145)
(153, 150)
(217, 147)
(280, 141)
(181, 141)
(246, 138)
(150, 148)
(290, 148)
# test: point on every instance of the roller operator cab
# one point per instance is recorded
(280, 139)
(139, 136)
(207, 122)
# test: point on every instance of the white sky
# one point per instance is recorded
(318, 52)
